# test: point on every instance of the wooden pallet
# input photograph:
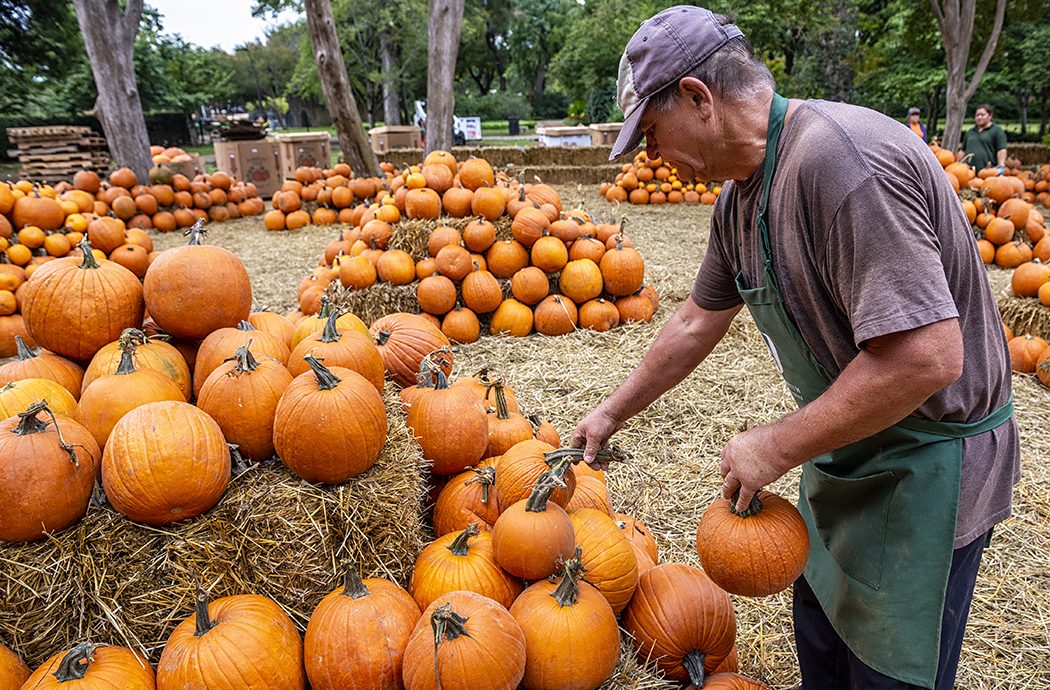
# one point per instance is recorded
(56, 152)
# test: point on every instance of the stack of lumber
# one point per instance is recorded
(56, 152)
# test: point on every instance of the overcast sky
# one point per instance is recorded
(210, 23)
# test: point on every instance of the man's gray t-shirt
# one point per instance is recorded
(870, 239)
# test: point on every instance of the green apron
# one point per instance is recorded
(881, 512)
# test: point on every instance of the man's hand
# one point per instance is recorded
(751, 460)
(593, 434)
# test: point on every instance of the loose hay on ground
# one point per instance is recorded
(111, 580)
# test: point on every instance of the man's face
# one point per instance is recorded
(983, 118)
(684, 139)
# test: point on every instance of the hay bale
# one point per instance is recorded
(1025, 316)
(111, 580)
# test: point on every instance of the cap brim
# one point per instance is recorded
(630, 134)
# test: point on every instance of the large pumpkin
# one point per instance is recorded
(13, 672)
(48, 465)
(165, 462)
(40, 211)
(572, 641)
(469, 497)
(75, 305)
(608, 557)
(16, 396)
(462, 638)
(340, 347)
(330, 424)
(681, 620)
(94, 667)
(403, 341)
(241, 395)
(233, 643)
(523, 464)
(623, 269)
(195, 289)
(149, 352)
(111, 396)
(755, 553)
(223, 343)
(461, 561)
(42, 365)
(356, 637)
(448, 424)
(533, 536)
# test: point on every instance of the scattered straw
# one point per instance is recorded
(108, 579)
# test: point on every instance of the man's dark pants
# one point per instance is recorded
(827, 664)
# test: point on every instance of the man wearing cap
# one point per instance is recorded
(837, 229)
(914, 124)
(985, 142)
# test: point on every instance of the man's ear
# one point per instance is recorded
(698, 95)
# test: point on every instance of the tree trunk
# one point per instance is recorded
(357, 150)
(443, 26)
(391, 96)
(955, 19)
(1044, 111)
(109, 37)
(933, 110)
(1023, 105)
(539, 84)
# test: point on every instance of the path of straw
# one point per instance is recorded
(677, 443)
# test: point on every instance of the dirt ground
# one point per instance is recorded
(677, 442)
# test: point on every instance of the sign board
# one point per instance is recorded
(471, 128)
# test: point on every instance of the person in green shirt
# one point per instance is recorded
(986, 142)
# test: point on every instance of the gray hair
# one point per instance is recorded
(732, 73)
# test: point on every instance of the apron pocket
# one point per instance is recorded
(850, 516)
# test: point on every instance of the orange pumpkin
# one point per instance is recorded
(461, 561)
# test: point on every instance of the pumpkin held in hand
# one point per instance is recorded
(755, 553)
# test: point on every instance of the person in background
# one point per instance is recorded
(985, 143)
(915, 125)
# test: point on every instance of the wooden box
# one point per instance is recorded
(394, 137)
(605, 133)
(564, 136)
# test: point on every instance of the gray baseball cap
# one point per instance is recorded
(663, 49)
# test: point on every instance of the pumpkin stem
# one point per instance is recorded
(24, 352)
(459, 546)
(486, 476)
(239, 466)
(552, 479)
(196, 232)
(611, 454)
(568, 590)
(326, 380)
(502, 412)
(326, 308)
(447, 625)
(353, 586)
(330, 334)
(694, 666)
(133, 336)
(431, 369)
(29, 423)
(245, 326)
(246, 362)
(204, 623)
(382, 337)
(89, 258)
(753, 508)
(74, 664)
(127, 364)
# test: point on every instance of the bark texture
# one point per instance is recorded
(353, 141)
(443, 26)
(109, 37)
(955, 19)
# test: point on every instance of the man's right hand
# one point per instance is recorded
(593, 434)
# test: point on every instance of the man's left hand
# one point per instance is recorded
(751, 460)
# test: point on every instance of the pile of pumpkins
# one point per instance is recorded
(645, 181)
(1029, 354)
(325, 197)
(529, 561)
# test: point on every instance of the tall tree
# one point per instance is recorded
(109, 33)
(391, 84)
(443, 25)
(357, 150)
(956, 20)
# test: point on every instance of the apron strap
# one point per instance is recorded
(960, 429)
(777, 110)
